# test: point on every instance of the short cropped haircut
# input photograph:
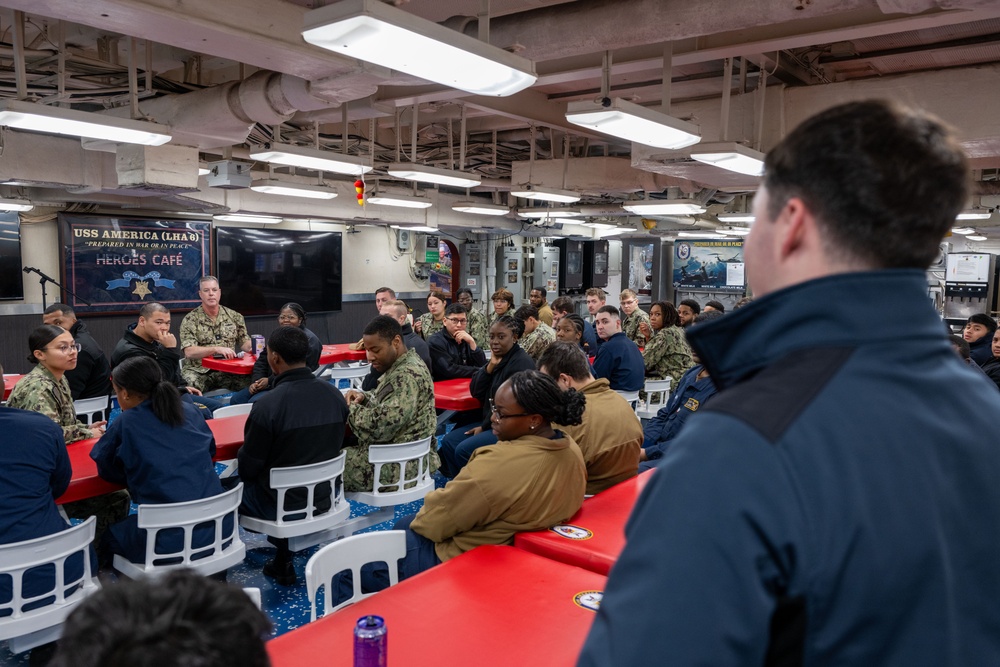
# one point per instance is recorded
(611, 310)
(179, 620)
(708, 316)
(563, 304)
(627, 294)
(59, 308)
(692, 304)
(384, 327)
(463, 290)
(397, 306)
(884, 182)
(717, 305)
(561, 357)
(456, 309)
(526, 311)
(541, 290)
(598, 292)
(148, 309)
(392, 292)
(290, 343)
(961, 347)
(207, 279)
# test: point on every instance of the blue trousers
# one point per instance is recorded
(243, 396)
(456, 449)
(420, 556)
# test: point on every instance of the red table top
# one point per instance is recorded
(490, 606)
(454, 395)
(242, 366)
(340, 352)
(603, 517)
(9, 380)
(86, 483)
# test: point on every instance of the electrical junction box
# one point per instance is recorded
(228, 175)
(404, 238)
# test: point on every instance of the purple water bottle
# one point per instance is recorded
(370, 642)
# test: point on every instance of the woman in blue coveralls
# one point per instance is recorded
(161, 449)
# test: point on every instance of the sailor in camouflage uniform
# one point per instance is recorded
(537, 334)
(45, 389)
(400, 409)
(212, 329)
(479, 324)
(634, 317)
(667, 354)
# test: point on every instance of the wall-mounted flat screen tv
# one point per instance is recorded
(11, 276)
(259, 270)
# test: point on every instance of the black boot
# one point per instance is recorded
(281, 568)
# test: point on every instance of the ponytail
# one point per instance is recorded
(142, 376)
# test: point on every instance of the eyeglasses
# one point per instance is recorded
(500, 417)
(67, 348)
(457, 320)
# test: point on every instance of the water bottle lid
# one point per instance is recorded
(370, 622)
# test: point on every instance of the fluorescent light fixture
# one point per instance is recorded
(248, 217)
(731, 156)
(15, 205)
(962, 230)
(402, 201)
(425, 174)
(417, 228)
(973, 215)
(546, 194)
(664, 207)
(598, 225)
(273, 186)
(614, 231)
(202, 171)
(733, 231)
(479, 209)
(57, 120)
(976, 237)
(310, 158)
(379, 33)
(548, 213)
(735, 217)
(634, 122)
(696, 235)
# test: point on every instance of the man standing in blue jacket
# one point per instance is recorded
(836, 503)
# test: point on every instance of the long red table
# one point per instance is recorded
(331, 354)
(86, 483)
(492, 606)
(9, 380)
(595, 536)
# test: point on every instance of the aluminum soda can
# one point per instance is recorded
(258, 344)
(370, 642)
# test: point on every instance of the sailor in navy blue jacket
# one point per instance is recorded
(690, 396)
(159, 464)
(36, 471)
(620, 361)
(878, 530)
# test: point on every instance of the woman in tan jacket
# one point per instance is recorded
(532, 478)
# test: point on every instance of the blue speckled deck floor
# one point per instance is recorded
(286, 606)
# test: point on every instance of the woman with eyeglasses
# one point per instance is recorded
(290, 315)
(160, 448)
(533, 478)
(507, 358)
(667, 353)
(433, 320)
(45, 389)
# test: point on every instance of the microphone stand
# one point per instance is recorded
(44, 279)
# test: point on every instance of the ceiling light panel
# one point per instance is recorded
(479, 209)
(379, 33)
(730, 156)
(546, 194)
(425, 174)
(631, 121)
(57, 120)
(273, 186)
(310, 158)
(664, 207)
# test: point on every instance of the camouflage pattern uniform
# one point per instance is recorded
(630, 325)
(667, 355)
(428, 327)
(39, 391)
(538, 340)
(479, 328)
(400, 409)
(228, 330)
